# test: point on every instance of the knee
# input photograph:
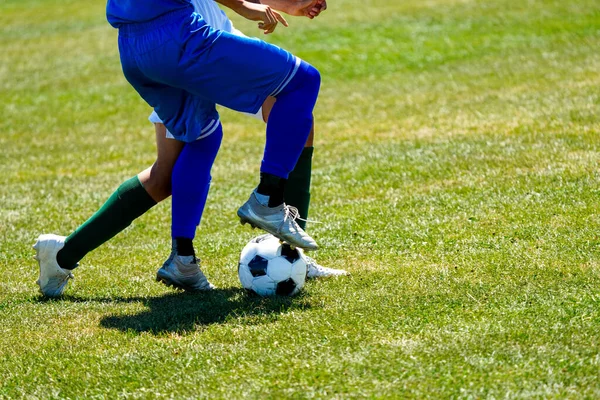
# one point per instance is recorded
(311, 136)
(312, 75)
(158, 184)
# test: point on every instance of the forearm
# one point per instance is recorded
(279, 5)
(267, 16)
(307, 8)
(236, 5)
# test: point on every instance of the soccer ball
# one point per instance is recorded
(268, 267)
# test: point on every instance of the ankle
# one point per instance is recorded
(270, 190)
(184, 246)
(64, 262)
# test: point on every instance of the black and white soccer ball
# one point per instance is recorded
(268, 267)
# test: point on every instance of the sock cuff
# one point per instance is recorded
(307, 152)
(128, 202)
(133, 186)
(303, 168)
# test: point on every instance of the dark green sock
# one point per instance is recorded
(297, 188)
(127, 203)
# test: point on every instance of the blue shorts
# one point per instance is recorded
(182, 67)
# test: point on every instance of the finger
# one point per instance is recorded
(270, 27)
(272, 24)
(269, 20)
(273, 16)
(309, 9)
(321, 6)
(280, 18)
(266, 28)
(314, 12)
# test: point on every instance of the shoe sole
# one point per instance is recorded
(170, 283)
(328, 275)
(245, 221)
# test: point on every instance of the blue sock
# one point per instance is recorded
(290, 122)
(190, 183)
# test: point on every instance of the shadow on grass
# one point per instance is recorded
(182, 312)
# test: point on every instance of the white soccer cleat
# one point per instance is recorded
(53, 279)
(314, 270)
(278, 221)
(183, 272)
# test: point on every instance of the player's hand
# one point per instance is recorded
(268, 17)
(307, 8)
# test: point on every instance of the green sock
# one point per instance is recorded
(297, 188)
(127, 203)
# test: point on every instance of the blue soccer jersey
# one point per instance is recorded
(119, 12)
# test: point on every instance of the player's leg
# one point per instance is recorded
(191, 182)
(297, 188)
(155, 73)
(58, 255)
(133, 198)
(297, 194)
(268, 197)
(157, 178)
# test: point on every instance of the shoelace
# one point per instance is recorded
(291, 211)
(66, 278)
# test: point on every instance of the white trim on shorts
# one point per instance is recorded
(206, 131)
(288, 78)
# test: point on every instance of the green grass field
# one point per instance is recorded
(456, 176)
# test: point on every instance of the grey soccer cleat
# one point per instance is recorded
(53, 279)
(183, 272)
(314, 270)
(278, 221)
